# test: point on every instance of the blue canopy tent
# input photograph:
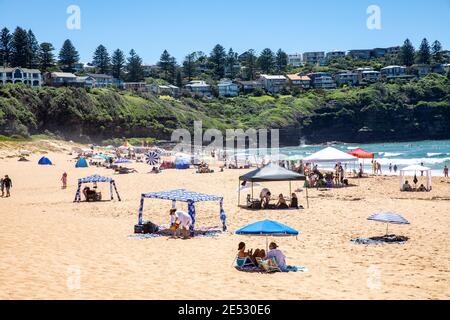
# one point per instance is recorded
(267, 228)
(81, 163)
(44, 161)
(95, 179)
(184, 196)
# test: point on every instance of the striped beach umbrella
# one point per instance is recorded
(153, 158)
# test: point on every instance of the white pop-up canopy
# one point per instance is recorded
(330, 154)
(415, 168)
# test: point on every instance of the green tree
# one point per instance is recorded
(46, 56)
(179, 81)
(424, 54)
(218, 58)
(32, 51)
(134, 67)
(68, 56)
(168, 64)
(189, 65)
(101, 59)
(117, 63)
(407, 52)
(266, 61)
(19, 48)
(5, 46)
(281, 61)
(250, 65)
(231, 62)
(436, 52)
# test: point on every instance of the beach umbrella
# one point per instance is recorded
(99, 157)
(267, 228)
(388, 217)
(122, 161)
(153, 158)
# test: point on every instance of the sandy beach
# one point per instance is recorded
(52, 248)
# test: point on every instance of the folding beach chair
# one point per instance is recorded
(244, 262)
(268, 265)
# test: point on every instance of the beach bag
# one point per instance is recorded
(150, 227)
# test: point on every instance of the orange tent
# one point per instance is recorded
(362, 154)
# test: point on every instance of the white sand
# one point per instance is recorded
(46, 240)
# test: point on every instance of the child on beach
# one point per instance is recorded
(64, 180)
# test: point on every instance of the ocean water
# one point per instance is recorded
(432, 153)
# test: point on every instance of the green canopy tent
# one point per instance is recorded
(271, 173)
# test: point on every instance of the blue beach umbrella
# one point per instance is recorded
(122, 161)
(267, 228)
(388, 217)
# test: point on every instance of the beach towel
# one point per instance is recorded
(252, 269)
(389, 239)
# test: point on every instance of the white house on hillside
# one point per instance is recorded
(273, 83)
(30, 77)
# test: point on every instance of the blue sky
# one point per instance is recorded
(182, 26)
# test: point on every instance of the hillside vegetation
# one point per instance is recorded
(383, 111)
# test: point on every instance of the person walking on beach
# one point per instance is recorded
(421, 172)
(2, 186)
(390, 167)
(7, 183)
(64, 180)
(446, 171)
(395, 168)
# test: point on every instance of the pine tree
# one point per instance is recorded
(68, 56)
(424, 54)
(117, 63)
(436, 50)
(134, 67)
(232, 60)
(32, 51)
(179, 81)
(218, 60)
(5, 47)
(46, 56)
(250, 65)
(266, 61)
(189, 65)
(19, 48)
(167, 63)
(407, 52)
(101, 59)
(281, 61)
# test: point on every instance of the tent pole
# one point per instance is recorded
(252, 190)
(290, 188)
(267, 244)
(307, 200)
(239, 192)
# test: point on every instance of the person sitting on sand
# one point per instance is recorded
(278, 255)
(259, 253)
(264, 195)
(422, 188)
(406, 186)
(281, 204)
(294, 201)
(181, 219)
